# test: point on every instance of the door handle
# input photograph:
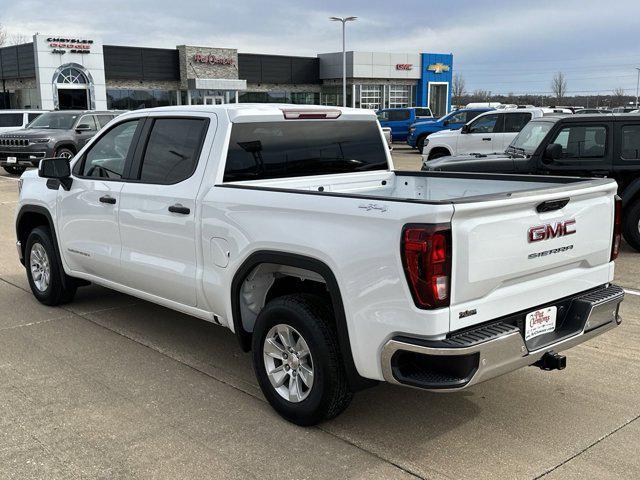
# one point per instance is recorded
(178, 208)
(108, 199)
(486, 139)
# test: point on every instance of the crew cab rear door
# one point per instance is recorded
(523, 249)
(158, 207)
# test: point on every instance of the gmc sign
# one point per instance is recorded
(548, 231)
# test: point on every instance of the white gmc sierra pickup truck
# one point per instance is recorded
(289, 225)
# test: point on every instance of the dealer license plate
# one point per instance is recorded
(12, 159)
(540, 322)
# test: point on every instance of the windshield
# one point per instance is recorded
(55, 121)
(530, 137)
(260, 150)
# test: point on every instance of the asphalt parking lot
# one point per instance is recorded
(110, 386)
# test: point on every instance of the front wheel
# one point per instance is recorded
(14, 170)
(420, 143)
(43, 270)
(64, 153)
(631, 225)
(297, 360)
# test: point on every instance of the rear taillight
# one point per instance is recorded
(426, 258)
(617, 229)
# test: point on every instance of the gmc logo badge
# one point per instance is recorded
(548, 231)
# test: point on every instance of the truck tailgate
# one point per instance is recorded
(509, 256)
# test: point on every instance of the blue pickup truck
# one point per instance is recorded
(400, 119)
(454, 120)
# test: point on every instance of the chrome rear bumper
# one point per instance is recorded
(492, 350)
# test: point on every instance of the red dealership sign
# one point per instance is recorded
(212, 59)
(404, 66)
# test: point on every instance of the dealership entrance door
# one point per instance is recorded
(73, 99)
(438, 93)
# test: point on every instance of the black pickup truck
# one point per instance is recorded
(577, 145)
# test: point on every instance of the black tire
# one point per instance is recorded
(58, 291)
(420, 142)
(329, 394)
(437, 154)
(631, 224)
(14, 170)
(64, 152)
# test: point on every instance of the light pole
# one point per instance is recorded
(637, 86)
(344, 21)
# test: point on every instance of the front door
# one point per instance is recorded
(438, 93)
(215, 100)
(479, 136)
(88, 213)
(585, 150)
(158, 211)
(73, 99)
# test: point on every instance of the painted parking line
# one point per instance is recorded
(632, 292)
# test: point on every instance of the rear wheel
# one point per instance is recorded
(43, 270)
(631, 224)
(297, 360)
(14, 170)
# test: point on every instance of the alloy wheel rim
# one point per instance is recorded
(288, 363)
(64, 155)
(40, 267)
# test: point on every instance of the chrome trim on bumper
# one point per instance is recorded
(508, 352)
(19, 247)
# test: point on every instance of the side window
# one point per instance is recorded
(514, 122)
(103, 119)
(472, 115)
(88, 120)
(630, 142)
(172, 150)
(423, 112)
(485, 124)
(582, 141)
(458, 118)
(33, 116)
(398, 115)
(10, 119)
(107, 156)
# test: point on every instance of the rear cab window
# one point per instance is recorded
(260, 150)
(630, 148)
(399, 115)
(423, 112)
(514, 122)
(10, 119)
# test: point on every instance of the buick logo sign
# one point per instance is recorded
(539, 233)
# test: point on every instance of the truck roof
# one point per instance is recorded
(589, 117)
(247, 112)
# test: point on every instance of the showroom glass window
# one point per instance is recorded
(582, 141)
(292, 149)
(107, 156)
(172, 150)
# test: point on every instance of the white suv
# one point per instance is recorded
(489, 132)
(17, 119)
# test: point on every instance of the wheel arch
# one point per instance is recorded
(631, 193)
(68, 144)
(311, 264)
(440, 148)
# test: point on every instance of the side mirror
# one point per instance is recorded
(446, 123)
(83, 127)
(56, 169)
(552, 152)
(465, 129)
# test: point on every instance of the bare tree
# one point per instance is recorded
(3, 35)
(559, 86)
(17, 39)
(619, 96)
(458, 89)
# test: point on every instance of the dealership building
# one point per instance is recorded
(64, 72)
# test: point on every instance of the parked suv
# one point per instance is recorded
(420, 130)
(606, 145)
(487, 133)
(52, 134)
(400, 119)
(17, 119)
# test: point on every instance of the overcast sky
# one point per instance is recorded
(499, 45)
